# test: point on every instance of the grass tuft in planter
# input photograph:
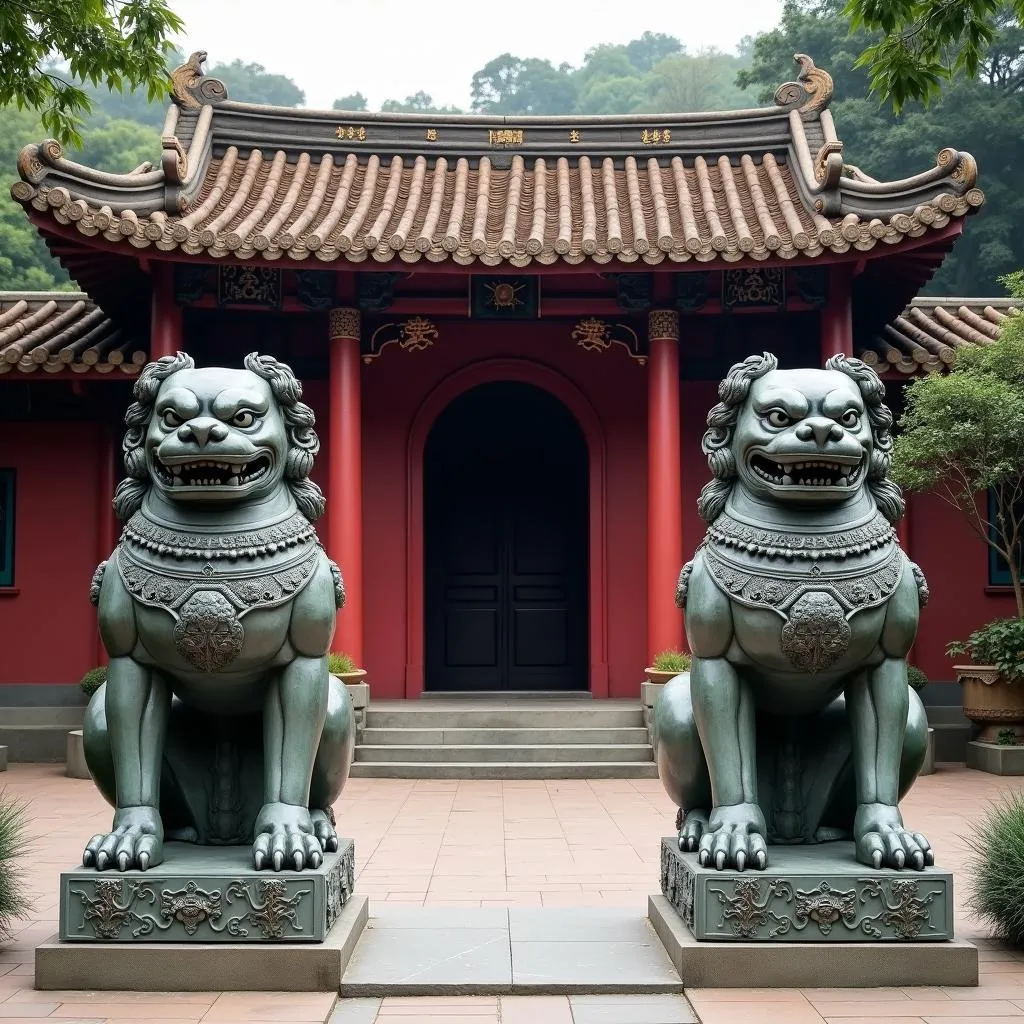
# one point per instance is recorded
(996, 871)
(14, 897)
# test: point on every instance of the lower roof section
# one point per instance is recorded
(62, 333)
(59, 332)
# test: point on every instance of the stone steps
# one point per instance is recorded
(506, 752)
(498, 738)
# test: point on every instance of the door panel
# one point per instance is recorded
(506, 582)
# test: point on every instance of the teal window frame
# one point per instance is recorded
(998, 570)
(7, 518)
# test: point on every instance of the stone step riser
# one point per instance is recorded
(507, 771)
(505, 752)
(504, 718)
(492, 737)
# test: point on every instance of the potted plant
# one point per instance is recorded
(992, 692)
(996, 870)
(75, 765)
(341, 665)
(667, 665)
(14, 894)
(918, 681)
(961, 437)
(93, 680)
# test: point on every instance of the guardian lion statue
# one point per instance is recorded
(218, 723)
(797, 724)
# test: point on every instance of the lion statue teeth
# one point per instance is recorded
(219, 722)
(796, 723)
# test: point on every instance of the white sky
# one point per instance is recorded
(389, 49)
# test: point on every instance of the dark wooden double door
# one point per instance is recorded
(506, 515)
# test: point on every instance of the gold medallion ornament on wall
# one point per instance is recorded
(594, 335)
(412, 335)
(504, 298)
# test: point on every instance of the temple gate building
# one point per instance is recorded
(511, 331)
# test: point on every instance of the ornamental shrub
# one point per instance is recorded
(339, 664)
(671, 661)
(917, 679)
(14, 899)
(93, 680)
(996, 871)
(999, 643)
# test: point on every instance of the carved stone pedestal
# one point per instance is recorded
(203, 916)
(814, 917)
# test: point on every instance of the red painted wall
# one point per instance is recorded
(48, 629)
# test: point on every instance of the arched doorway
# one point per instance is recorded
(505, 500)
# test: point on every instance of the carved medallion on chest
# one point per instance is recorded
(208, 634)
(817, 633)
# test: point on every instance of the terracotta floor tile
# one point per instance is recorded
(535, 1010)
(920, 1007)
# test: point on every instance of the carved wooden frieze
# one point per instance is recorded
(811, 284)
(493, 297)
(690, 290)
(595, 335)
(376, 291)
(249, 285)
(191, 282)
(634, 292)
(315, 288)
(753, 287)
(412, 335)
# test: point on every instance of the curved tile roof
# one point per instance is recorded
(245, 182)
(56, 331)
(926, 336)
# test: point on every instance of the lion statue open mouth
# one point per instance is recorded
(796, 723)
(219, 722)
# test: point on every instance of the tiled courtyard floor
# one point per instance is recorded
(572, 843)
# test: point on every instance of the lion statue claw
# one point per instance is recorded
(219, 722)
(796, 723)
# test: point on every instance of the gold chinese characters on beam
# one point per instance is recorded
(505, 136)
(594, 335)
(412, 335)
(656, 136)
(351, 131)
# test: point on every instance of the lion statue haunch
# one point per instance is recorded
(219, 723)
(797, 724)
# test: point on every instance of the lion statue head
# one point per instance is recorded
(809, 437)
(218, 436)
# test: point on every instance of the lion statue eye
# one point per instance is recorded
(171, 419)
(851, 419)
(243, 419)
(777, 418)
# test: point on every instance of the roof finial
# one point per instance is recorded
(811, 92)
(190, 88)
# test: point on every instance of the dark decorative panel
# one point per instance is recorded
(691, 290)
(376, 292)
(811, 284)
(634, 292)
(756, 287)
(248, 285)
(191, 282)
(315, 288)
(504, 298)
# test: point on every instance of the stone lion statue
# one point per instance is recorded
(796, 724)
(218, 723)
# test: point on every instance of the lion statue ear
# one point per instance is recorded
(130, 492)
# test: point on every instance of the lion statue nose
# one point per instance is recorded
(202, 431)
(820, 429)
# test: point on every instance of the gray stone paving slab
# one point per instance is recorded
(429, 961)
(355, 1011)
(574, 966)
(383, 915)
(575, 924)
(645, 1009)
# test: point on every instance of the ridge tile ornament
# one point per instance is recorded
(219, 728)
(796, 723)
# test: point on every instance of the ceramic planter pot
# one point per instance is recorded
(348, 678)
(656, 676)
(990, 701)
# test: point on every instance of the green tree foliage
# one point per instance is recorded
(511, 85)
(354, 101)
(924, 43)
(418, 103)
(983, 115)
(25, 262)
(119, 43)
(252, 83)
(963, 433)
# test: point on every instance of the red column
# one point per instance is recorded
(165, 336)
(664, 484)
(345, 477)
(106, 521)
(837, 314)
